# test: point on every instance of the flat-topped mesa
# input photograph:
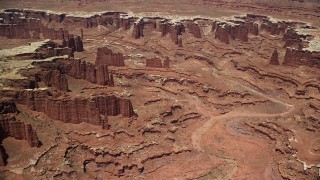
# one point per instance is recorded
(54, 78)
(296, 57)
(157, 63)
(274, 60)
(87, 71)
(105, 56)
(19, 130)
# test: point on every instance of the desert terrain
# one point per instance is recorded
(186, 89)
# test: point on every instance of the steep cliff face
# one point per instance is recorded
(28, 24)
(175, 31)
(10, 127)
(298, 57)
(240, 32)
(274, 58)
(75, 43)
(157, 63)
(166, 63)
(193, 28)
(274, 28)
(21, 131)
(76, 110)
(112, 106)
(292, 39)
(72, 110)
(7, 105)
(236, 31)
(105, 56)
(95, 74)
(154, 62)
(54, 78)
(222, 32)
(138, 30)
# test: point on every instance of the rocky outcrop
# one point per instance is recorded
(175, 31)
(105, 56)
(95, 74)
(54, 78)
(112, 106)
(166, 63)
(137, 30)
(236, 31)
(28, 25)
(297, 57)
(193, 28)
(293, 40)
(274, 60)
(10, 127)
(154, 62)
(157, 63)
(76, 110)
(274, 28)
(222, 32)
(75, 43)
(7, 105)
(72, 110)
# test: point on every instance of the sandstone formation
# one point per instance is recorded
(137, 30)
(154, 62)
(205, 90)
(105, 56)
(54, 78)
(76, 110)
(194, 29)
(158, 63)
(26, 26)
(301, 57)
(7, 106)
(274, 60)
(97, 74)
(20, 131)
(166, 63)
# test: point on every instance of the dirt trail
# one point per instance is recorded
(216, 123)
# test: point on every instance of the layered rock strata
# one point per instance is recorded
(157, 63)
(105, 56)
(274, 60)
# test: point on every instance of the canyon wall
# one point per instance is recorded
(298, 57)
(157, 63)
(10, 127)
(105, 56)
(274, 60)
(54, 78)
(77, 109)
(97, 74)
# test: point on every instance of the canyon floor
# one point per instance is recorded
(185, 89)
